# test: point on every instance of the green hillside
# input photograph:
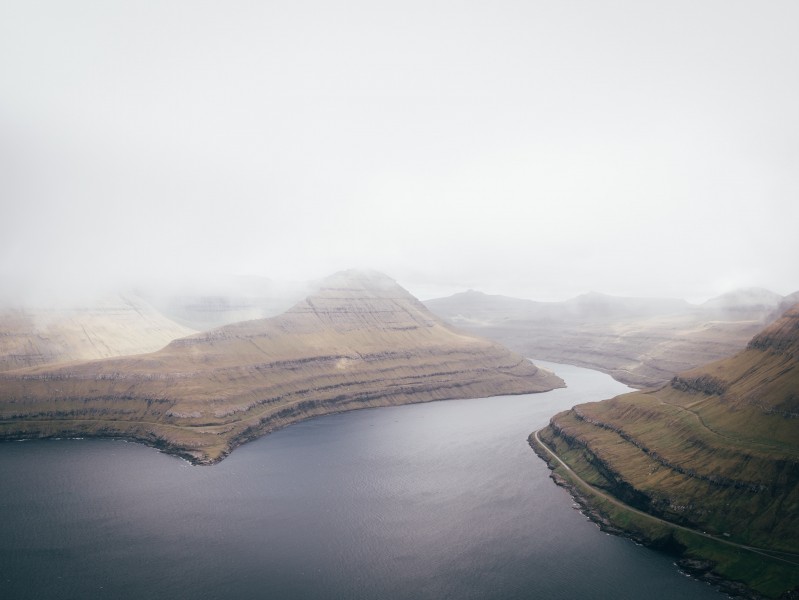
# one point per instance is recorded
(715, 450)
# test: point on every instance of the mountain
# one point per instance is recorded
(787, 302)
(360, 341)
(476, 308)
(715, 450)
(751, 302)
(114, 326)
(642, 342)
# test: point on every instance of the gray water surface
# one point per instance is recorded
(439, 500)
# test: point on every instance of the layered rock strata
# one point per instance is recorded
(360, 341)
(716, 449)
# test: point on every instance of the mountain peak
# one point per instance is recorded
(358, 299)
(360, 341)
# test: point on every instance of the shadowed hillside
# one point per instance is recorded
(360, 341)
(716, 449)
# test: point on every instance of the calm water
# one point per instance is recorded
(441, 500)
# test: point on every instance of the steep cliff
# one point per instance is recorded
(716, 449)
(360, 341)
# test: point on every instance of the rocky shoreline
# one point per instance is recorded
(699, 569)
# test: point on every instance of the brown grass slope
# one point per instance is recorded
(360, 341)
(716, 449)
(114, 326)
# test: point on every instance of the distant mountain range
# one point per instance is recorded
(716, 450)
(639, 341)
(359, 341)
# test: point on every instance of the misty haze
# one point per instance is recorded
(411, 300)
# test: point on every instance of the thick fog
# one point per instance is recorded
(536, 149)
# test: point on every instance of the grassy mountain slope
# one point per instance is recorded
(360, 341)
(716, 449)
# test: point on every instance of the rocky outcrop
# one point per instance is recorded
(360, 341)
(782, 337)
(705, 384)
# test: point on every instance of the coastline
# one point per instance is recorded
(209, 445)
(697, 568)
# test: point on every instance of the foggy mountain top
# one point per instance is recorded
(196, 303)
(537, 150)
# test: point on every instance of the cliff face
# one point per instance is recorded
(642, 342)
(716, 449)
(782, 337)
(360, 341)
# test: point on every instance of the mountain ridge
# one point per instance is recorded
(360, 341)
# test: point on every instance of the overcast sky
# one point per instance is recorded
(536, 149)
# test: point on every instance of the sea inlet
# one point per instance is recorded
(439, 500)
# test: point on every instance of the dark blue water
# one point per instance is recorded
(440, 500)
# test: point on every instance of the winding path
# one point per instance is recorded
(596, 491)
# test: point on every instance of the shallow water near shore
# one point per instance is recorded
(438, 500)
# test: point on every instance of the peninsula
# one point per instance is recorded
(360, 341)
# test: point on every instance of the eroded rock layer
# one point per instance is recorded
(360, 341)
(716, 449)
